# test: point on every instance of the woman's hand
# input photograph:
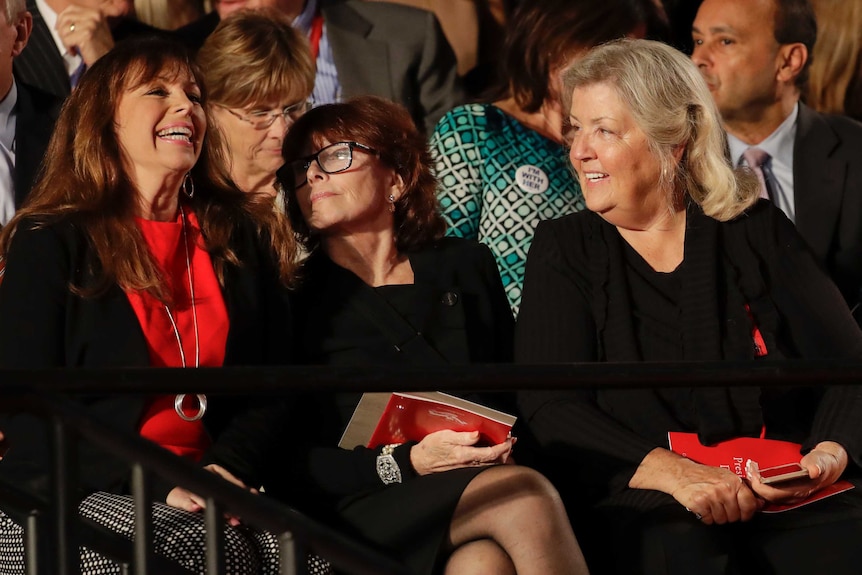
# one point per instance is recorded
(184, 499)
(825, 464)
(713, 494)
(445, 450)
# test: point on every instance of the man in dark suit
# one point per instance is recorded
(69, 36)
(27, 114)
(754, 56)
(389, 50)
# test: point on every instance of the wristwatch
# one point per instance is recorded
(387, 467)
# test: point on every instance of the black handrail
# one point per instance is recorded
(487, 377)
(36, 389)
(343, 553)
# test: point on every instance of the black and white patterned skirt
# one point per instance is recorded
(177, 535)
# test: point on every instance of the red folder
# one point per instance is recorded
(733, 453)
(404, 417)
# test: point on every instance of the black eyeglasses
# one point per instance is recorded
(332, 159)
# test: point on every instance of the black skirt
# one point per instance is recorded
(409, 520)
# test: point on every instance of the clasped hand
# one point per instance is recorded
(446, 450)
(719, 496)
(182, 498)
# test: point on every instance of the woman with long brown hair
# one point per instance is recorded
(135, 250)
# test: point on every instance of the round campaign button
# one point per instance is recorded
(532, 179)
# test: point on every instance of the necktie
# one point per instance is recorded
(755, 158)
(76, 75)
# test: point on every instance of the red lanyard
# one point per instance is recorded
(315, 35)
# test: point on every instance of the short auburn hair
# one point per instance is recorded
(389, 129)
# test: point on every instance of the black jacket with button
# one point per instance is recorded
(465, 315)
(466, 319)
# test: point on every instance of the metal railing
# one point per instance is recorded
(54, 530)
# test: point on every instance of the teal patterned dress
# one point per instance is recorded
(497, 180)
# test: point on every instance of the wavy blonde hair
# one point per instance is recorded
(837, 57)
(671, 104)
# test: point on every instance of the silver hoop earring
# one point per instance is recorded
(189, 186)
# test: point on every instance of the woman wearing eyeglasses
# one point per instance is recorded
(259, 72)
(383, 286)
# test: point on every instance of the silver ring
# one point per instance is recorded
(202, 407)
(72, 27)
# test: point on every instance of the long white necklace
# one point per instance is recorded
(202, 399)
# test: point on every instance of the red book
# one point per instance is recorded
(733, 453)
(383, 418)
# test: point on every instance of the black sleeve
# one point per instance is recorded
(819, 324)
(274, 444)
(33, 296)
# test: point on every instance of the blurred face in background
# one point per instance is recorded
(253, 137)
(737, 54)
(227, 7)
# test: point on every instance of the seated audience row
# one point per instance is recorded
(155, 259)
(150, 239)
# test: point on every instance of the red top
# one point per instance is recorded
(160, 422)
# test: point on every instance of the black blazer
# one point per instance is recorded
(462, 307)
(827, 184)
(37, 113)
(577, 308)
(44, 325)
(467, 319)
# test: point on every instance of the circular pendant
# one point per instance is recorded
(202, 407)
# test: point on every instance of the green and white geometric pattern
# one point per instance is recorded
(497, 180)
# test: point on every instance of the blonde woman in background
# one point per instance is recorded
(835, 75)
(168, 14)
(259, 72)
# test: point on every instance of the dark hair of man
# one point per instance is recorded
(85, 177)
(542, 34)
(387, 128)
(795, 22)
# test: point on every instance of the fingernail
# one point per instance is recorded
(749, 469)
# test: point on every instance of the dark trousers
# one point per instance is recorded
(648, 532)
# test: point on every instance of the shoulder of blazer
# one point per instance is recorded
(828, 133)
(56, 240)
(37, 113)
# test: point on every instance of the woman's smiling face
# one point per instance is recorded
(617, 169)
(160, 126)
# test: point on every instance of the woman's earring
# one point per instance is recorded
(392, 202)
(189, 186)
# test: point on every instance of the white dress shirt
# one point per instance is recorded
(327, 89)
(8, 121)
(779, 169)
(71, 60)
